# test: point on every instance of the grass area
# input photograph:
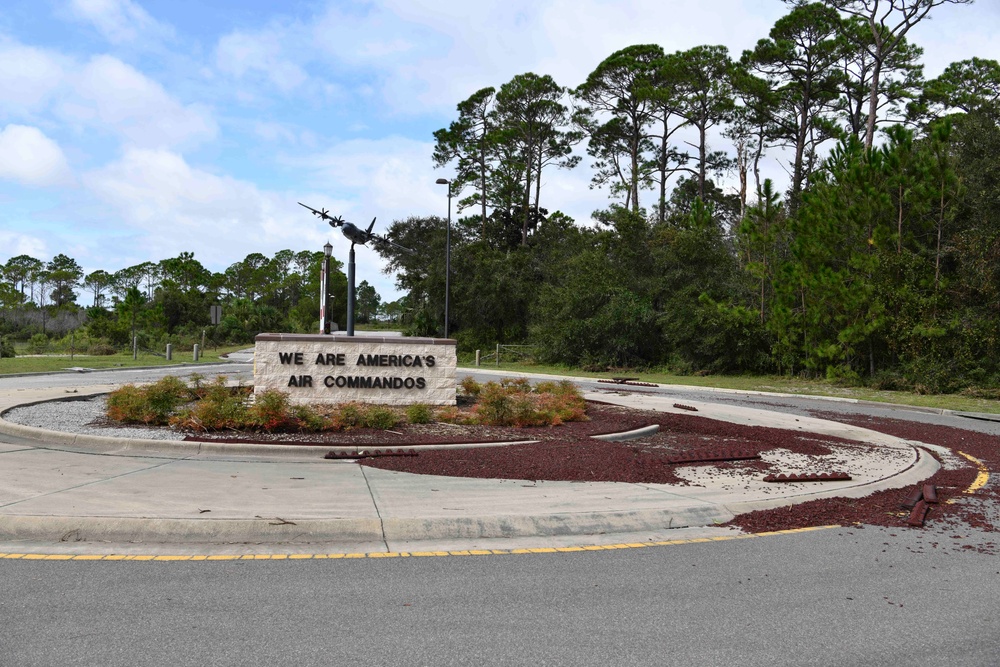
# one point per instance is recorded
(51, 362)
(769, 383)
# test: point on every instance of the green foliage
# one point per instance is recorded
(271, 411)
(150, 404)
(348, 415)
(379, 417)
(6, 348)
(470, 387)
(419, 413)
(220, 407)
(513, 402)
(39, 344)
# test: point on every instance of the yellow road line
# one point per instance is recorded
(401, 554)
(981, 479)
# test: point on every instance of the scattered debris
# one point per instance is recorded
(918, 514)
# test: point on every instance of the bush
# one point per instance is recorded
(152, 404)
(38, 344)
(380, 417)
(126, 404)
(309, 419)
(513, 402)
(470, 387)
(220, 407)
(6, 348)
(347, 416)
(495, 406)
(419, 413)
(270, 411)
(101, 349)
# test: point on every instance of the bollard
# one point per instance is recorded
(478, 357)
(170, 352)
(135, 347)
(196, 349)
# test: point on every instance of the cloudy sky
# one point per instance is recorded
(133, 130)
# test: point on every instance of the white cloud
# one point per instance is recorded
(390, 178)
(259, 54)
(172, 207)
(120, 21)
(14, 244)
(111, 95)
(29, 77)
(30, 158)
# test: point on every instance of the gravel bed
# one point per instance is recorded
(78, 416)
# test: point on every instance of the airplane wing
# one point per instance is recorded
(323, 214)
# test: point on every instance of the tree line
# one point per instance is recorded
(877, 263)
(170, 300)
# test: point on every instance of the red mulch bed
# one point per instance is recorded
(566, 456)
(883, 508)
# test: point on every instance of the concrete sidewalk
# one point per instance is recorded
(84, 490)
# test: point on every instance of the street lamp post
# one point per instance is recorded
(324, 297)
(447, 256)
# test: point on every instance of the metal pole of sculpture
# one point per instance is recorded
(350, 292)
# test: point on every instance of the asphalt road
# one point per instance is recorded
(845, 596)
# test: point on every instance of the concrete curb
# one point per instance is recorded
(351, 530)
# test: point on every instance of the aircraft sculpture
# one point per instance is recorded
(355, 235)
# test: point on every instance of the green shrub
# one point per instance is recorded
(470, 387)
(164, 396)
(220, 407)
(309, 419)
(512, 402)
(126, 404)
(101, 349)
(347, 416)
(38, 344)
(419, 413)
(6, 348)
(380, 417)
(495, 406)
(152, 404)
(270, 411)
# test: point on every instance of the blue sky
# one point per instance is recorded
(135, 130)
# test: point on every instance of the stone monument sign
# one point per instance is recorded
(325, 369)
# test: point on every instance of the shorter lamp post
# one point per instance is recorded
(447, 256)
(324, 285)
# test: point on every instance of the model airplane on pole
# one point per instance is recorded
(357, 236)
(353, 233)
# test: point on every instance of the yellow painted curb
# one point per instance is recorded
(399, 554)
